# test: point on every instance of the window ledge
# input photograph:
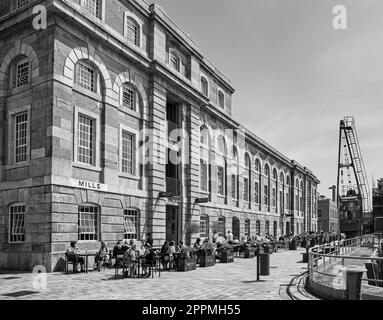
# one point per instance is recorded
(17, 90)
(129, 176)
(18, 165)
(86, 92)
(129, 111)
(86, 166)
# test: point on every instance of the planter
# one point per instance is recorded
(185, 265)
(249, 253)
(227, 257)
(206, 261)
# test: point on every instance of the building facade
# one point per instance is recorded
(114, 125)
(328, 214)
(377, 205)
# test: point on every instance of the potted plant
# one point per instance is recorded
(225, 253)
(187, 260)
(207, 255)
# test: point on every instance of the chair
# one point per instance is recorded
(69, 261)
(118, 265)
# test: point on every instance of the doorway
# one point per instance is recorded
(172, 223)
(236, 229)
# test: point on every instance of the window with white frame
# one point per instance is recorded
(21, 137)
(204, 86)
(17, 223)
(266, 195)
(22, 73)
(256, 192)
(221, 99)
(203, 175)
(88, 223)
(204, 226)
(131, 224)
(86, 140)
(132, 31)
(174, 61)
(128, 152)
(86, 76)
(128, 97)
(221, 180)
(93, 7)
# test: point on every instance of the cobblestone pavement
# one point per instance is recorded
(234, 281)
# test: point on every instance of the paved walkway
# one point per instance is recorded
(234, 281)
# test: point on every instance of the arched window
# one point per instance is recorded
(266, 186)
(258, 228)
(275, 174)
(301, 204)
(221, 99)
(221, 165)
(204, 159)
(288, 193)
(235, 174)
(257, 166)
(204, 226)
(275, 229)
(17, 214)
(247, 228)
(204, 86)
(297, 231)
(88, 222)
(222, 226)
(87, 76)
(129, 97)
(267, 227)
(20, 72)
(297, 195)
(246, 178)
(131, 224)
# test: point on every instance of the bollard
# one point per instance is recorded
(264, 264)
(352, 281)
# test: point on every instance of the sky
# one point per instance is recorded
(295, 74)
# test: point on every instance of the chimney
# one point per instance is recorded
(333, 188)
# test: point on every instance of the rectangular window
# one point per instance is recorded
(246, 189)
(266, 194)
(247, 228)
(203, 175)
(88, 222)
(203, 227)
(131, 32)
(17, 223)
(220, 180)
(234, 186)
(22, 73)
(93, 7)
(128, 98)
(175, 62)
(128, 153)
(21, 137)
(256, 192)
(274, 198)
(131, 224)
(86, 77)
(86, 135)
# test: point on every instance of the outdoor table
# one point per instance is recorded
(86, 255)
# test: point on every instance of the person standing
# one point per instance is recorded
(230, 237)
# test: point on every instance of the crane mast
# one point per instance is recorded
(354, 198)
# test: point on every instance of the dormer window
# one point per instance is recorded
(93, 7)
(174, 61)
(131, 31)
(22, 3)
(221, 99)
(204, 86)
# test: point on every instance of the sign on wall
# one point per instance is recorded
(89, 185)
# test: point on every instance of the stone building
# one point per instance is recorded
(89, 110)
(328, 215)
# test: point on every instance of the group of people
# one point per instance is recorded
(125, 253)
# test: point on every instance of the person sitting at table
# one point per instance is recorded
(102, 255)
(165, 254)
(148, 261)
(118, 249)
(129, 260)
(72, 252)
(171, 251)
